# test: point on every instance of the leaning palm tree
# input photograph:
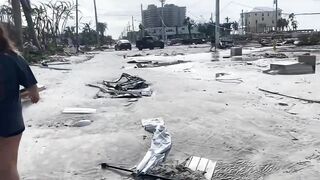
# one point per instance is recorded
(16, 12)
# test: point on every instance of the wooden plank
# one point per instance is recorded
(210, 170)
(203, 164)
(194, 163)
(79, 111)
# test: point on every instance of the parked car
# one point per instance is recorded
(226, 43)
(149, 42)
(123, 44)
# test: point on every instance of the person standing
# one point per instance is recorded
(14, 71)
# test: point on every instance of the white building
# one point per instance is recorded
(261, 19)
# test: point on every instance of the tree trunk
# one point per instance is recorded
(32, 32)
(16, 11)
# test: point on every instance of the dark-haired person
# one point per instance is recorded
(14, 71)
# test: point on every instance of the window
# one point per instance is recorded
(249, 22)
(272, 21)
(263, 19)
(256, 14)
(279, 14)
(268, 14)
(262, 14)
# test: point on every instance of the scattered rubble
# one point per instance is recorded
(203, 165)
(126, 86)
(275, 55)
(152, 64)
(178, 172)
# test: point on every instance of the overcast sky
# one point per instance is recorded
(117, 13)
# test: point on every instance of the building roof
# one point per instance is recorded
(264, 9)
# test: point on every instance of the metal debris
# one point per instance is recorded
(126, 86)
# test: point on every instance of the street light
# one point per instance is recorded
(162, 19)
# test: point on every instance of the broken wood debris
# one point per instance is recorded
(126, 86)
(153, 64)
(107, 166)
(203, 165)
(288, 96)
(178, 172)
(275, 55)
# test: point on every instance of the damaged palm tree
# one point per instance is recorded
(126, 86)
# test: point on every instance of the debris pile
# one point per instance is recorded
(126, 86)
(178, 172)
(153, 64)
(275, 55)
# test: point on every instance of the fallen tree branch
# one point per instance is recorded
(288, 96)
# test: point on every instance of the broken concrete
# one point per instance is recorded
(236, 51)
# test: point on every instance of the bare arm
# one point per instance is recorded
(34, 94)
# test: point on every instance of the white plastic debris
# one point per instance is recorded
(160, 146)
(151, 124)
(79, 111)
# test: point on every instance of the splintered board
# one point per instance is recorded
(79, 111)
(202, 164)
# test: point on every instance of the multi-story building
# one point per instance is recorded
(173, 19)
(261, 19)
(173, 16)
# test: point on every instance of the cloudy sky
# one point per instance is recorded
(117, 13)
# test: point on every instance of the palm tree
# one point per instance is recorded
(102, 27)
(294, 23)
(16, 11)
(190, 24)
(235, 26)
(27, 13)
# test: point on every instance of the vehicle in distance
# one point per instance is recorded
(149, 42)
(123, 45)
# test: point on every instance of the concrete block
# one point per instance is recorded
(309, 60)
(236, 51)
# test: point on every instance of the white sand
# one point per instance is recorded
(239, 123)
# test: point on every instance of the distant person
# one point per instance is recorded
(213, 43)
(14, 71)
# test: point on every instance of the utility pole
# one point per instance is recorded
(97, 22)
(77, 25)
(132, 24)
(242, 21)
(217, 36)
(276, 2)
(162, 19)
